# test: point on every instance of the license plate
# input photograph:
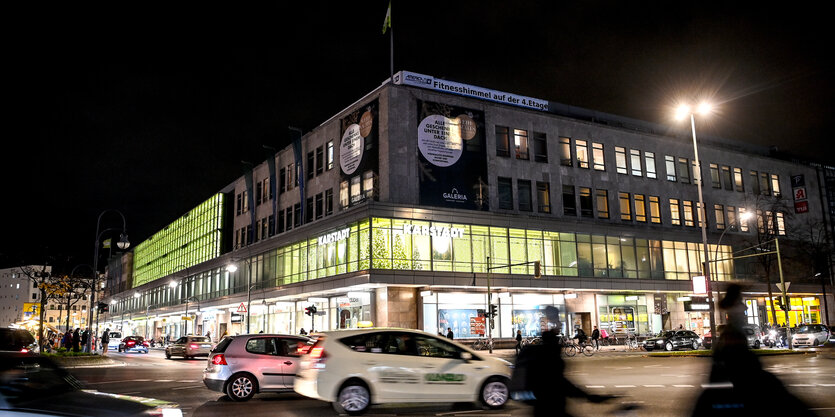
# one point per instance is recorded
(206, 346)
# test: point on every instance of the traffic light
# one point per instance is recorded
(537, 270)
(494, 310)
(310, 310)
(785, 304)
(103, 307)
(781, 303)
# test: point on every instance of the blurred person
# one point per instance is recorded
(595, 337)
(302, 332)
(66, 341)
(449, 333)
(105, 340)
(539, 375)
(85, 335)
(518, 341)
(76, 340)
(738, 383)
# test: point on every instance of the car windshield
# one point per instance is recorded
(27, 378)
(805, 329)
(667, 333)
(200, 339)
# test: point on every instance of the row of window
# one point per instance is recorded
(316, 207)
(590, 155)
(317, 162)
(632, 207)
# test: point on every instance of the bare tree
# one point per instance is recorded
(74, 290)
(49, 286)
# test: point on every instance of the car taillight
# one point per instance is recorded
(317, 353)
(219, 360)
(131, 342)
(193, 346)
(24, 350)
(146, 344)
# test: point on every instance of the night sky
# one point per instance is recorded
(150, 110)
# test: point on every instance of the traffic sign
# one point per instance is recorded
(242, 308)
(780, 286)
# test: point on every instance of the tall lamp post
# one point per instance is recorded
(122, 244)
(173, 285)
(491, 313)
(684, 111)
(232, 268)
(187, 316)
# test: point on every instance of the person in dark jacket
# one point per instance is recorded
(595, 337)
(85, 335)
(544, 371)
(76, 340)
(105, 340)
(449, 334)
(518, 341)
(66, 341)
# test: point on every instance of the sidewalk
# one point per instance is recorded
(604, 351)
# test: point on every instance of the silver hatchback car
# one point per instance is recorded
(241, 366)
(189, 347)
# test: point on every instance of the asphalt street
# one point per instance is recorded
(657, 386)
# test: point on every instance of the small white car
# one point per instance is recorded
(115, 340)
(810, 335)
(354, 369)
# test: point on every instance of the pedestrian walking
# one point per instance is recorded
(209, 335)
(449, 333)
(302, 332)
(595, 336)
(76, 340)
(518, 341)
(105, 340)
(66, 341)
(539, 375)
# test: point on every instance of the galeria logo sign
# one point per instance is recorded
(455, 197)
(334, 237)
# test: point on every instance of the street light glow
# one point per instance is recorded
(231, 267)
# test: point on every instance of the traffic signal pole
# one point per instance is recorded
(490, 311)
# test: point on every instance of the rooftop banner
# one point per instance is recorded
(444, 86)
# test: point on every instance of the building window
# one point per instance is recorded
(328, 201)
(670, 163)
(569, 205)
(640, 208)
(597, 157)
(540, 147)
(649, 161)
(524, 192)
(620, 160)
(520, 143)
(297, 214)
(280, 221)
(731, 223)
(505, 193)
(738, 180)
(543, 197)
(320, 160)
(684, 170)
(765, 185)
(775, 185)
(369, 184)
(675, 212)
(310, 165)
(308, 210)
(356, 190)
(586, 204)
(502, 141)
(755, 183)
(289, 218)
(602, 204)
(565, 152)
(687, 207)
(320, 205)
(281, 181)
(343, 194)
(238, 205)
(582, 152)
(291, 172)
(625, 207)
(635, 161)
(719, 213)
(743, 224)
(715, 178)
(329, 155)
(781, 224)
(727, 178)
(654, 209)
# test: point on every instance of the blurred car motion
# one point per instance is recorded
(36, 386)
(189, 347)
(353, 369)
(17, 340)
(133, 344)
(810, 335)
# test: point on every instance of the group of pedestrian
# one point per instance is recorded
(74, 341)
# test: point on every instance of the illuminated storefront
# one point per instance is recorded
(806, 310)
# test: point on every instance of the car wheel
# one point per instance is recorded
(756, 344)
(494, 393)
(695, 345)
(815, 342)
(669, 346)
(241, 387)
(167, 355)
(353, 398)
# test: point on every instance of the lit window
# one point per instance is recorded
(620, 159)
(635, 161)
(582, 153)
(625, 207)
(597, 156)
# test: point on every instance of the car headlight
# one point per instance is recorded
(659, 342)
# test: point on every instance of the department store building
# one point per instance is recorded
(401, 210)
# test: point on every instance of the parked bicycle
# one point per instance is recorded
(572, 347)
(535, 340)
(481, 344)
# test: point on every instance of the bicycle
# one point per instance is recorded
(481, 344)
(632, 342)
(570, 349)
(536, 340)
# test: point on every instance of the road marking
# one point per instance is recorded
(654, 386)
(624, 386)
(801, 385)
(141, 380)
(188, 380)
(683, 386)
(595, 386)
(718, 385)
(827, 385)
(165, 380)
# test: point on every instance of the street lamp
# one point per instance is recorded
(232, 268)
(185, 332)
(682, 112)
(122, 244)
(491, 313)
(173, 285)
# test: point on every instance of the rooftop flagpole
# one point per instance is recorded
(387, 25)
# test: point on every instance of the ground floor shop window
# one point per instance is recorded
(621, 315)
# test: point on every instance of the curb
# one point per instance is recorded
(708, 354)
(86, 362)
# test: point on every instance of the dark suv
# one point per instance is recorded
(17, 340)
(673, 339)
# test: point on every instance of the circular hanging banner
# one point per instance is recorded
(350, 149)
(366, 123)
(467, 126)
(439, 140)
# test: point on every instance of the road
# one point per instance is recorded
(659, 386)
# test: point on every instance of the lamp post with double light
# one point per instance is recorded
(232, 267)
(683, 112)
(174, 284)
(123, 244)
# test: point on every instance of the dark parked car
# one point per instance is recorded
(752, 334)
(33, 385)
(17, 340)
(673, 340)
